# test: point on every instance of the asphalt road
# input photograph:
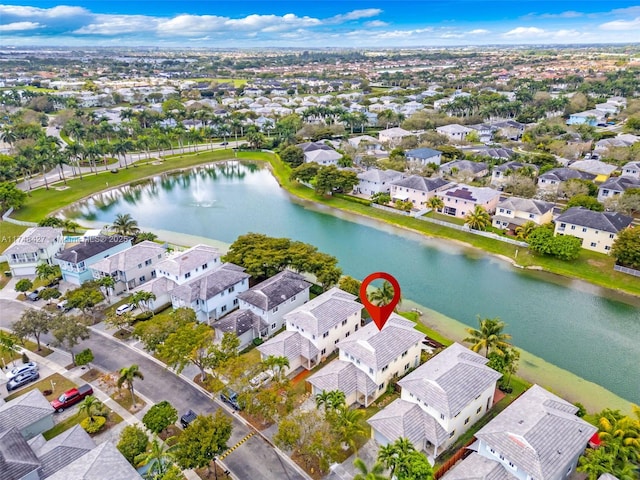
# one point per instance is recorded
(254, 459)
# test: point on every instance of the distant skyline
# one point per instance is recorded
(317, 23)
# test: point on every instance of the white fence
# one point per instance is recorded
(627, 270)
(6, 217)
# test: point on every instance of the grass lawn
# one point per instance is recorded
(61, 385)
(415, 317)
(112, 419)
(8, 233)
(6, 358)
(123, 399)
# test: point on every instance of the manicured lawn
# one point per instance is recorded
(6, 358)
(61, 385)
(123, 398)
(413, 316)
(8, 233)
(112, 419)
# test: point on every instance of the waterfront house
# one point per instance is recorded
(377, 181)
(35, 246)
(597, 230)
(320, 153)
(417, 189)
(513, 212)
(459, 200)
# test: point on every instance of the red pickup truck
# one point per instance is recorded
(71, 397)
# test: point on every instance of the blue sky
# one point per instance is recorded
(317, 23)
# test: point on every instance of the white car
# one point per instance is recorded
(261, 378)
(127, 307)
(20, 369)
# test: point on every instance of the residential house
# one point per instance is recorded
(104, 462)
(616, 186)
(393, 136)
(368, 145)
(423, 156)
(550, 182)
(513, 212)
(417, 189)
(273, 298)
(75, 261)
(599, 169)
(35, 246)
(500, 173)
(597, 230)
(622, 140)
(455, 132)
(320, 153)
(377, 181)
(212, 294)
(631, 169)
(588, 117)
(461, 199)
(439, 401)
(313, 330)
(509, 129)
(31, 414)
(537, 437)
(243, 323)
(131, 267)
(465, 168)
(484, 130)
(369, 359)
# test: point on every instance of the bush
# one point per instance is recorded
(133, 442)
(351, 198)
(84, 357)
(160, 416)
(257, 341)
(93, 424)
(23, 285)
(143, 316)
(316, 289)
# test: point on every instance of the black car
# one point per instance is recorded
(22, 379)
(187, 418)
(230, 397)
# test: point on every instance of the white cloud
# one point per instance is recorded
(118, 25)
(622, 25)
(376, 24)
(524, 32)
(567, 14)
(31, 12)
(478, 31)
(355, 15)
(19, 26)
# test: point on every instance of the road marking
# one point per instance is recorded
(222, 457)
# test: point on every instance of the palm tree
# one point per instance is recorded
(435, 204)
(142, 298)
(392, 455)
(127, 377)
(277, 364)
(523, 231)
(365, 474)
(489, 336)
(157, 458)
(479, 219)
(125, 225)
(90, 405)
(382, 296)
(348, 425)
(331, 400)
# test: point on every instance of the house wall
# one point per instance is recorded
(533, 217)
(245, 339)
(274, 317)
(217, 306)
(463, 207)
(26, 264)
(417, 197)
(80, 273)
(631, 171)
(488, 452)
(606, 193)
(549, 184)
(193, 273)
(36, 428)
(437, 159)
(595, 240)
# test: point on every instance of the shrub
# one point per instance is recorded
(84, 357)
(23, 285)
(257, 341)
(160, 416)
(133, 442)
(143, 316)
(93, 424)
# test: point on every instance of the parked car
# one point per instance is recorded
(261, 378)
(22, 379)
(224, 143)
(20, 369)
(71, 397)
(64, 305)
(127, 307)
(35, 295)
(187, 418)
(231, 397)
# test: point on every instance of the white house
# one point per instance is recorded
(459, 200)
(273, 298)
(36, 245)
(369, 359)
(376, 181)
(417, 189)
(313, 330)
(31, 414)
(501, 173)
(189, 264)
(455, 132)
(244, 324)
(444, 397)
(631, 169)
(423, 156)
(393, 136)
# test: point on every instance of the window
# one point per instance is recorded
(584, 229)
(204, 266)
(405, 353)
(273, 326)
(611, 235)
(466, 420)
(347, 334)
(593, 244)
(325, 334)
(531, 215)
(492, 451)
(406, 367)
(563, 225)
(356, 329)
(139, 265)
(385, 368)
(275, 310)
(323, 351)
(370, 371)
(147, 262)
(187, 275)
(235, 301)
(479, 409)
(573, 227)
(502, 210)
(344, 322)
(607, 247)
(231, 289)
(442, 416)
(381, 386)
(293, 298)
(223, 308)
(142, 278)
(336, 342)
(501, 457)
(313, 337)
(452, 434)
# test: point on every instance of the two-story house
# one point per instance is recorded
(212, 294)
(313, 330)
(464, 167)
(131, 267)
(244, 324)
(376, 181)
(439, 401)
(509, 129)
(423, 156)
(393, 136)
(273, 298)
(455, 132)
(513, 212)
(417, 189)
(320, 153)
(537, 437)
(35, 246)
(75, 261)
(597, 230)
(549, 182)
(615, 186)
(501, 173)
(631, 169)
(369, 359)
(461, 199)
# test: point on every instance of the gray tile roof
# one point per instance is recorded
(16, 457)
(528, 205)
(563, 174)
(343, 376)
(611, 222)
(513, 166)
(377, 348)
(477, 467)
(240, 321)
(595, 167)
(90, 247)
(209, 285)
(451, 380)
(379, 176)
(464, 165)
(500, 153)
(129, 258)
(619, 184)
(25, 410)
(422, 153)
(275, 290)
(32, 239)
(324, 312)
(289, 344)
(104, 462)
(188, 260)
(473, 194)
(539, 433)
(416, 182)
(62, 450)
(403, 419)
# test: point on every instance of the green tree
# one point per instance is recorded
(330, 400)
(91, 406)
(489, 337)
(350, 285)
(381, 296)
(381, 198)
(68, 330)
(331, 179)
(84, 357)
(142, 299)
(277, 364)
(142, 236)
(626, 248)
(127, 378)
(85, 298)
(190, 343)
(506, 364)
(305, 172)
(292, 155)
(11, 196)
(478, 219)
(153, 333)
(133, 441)
(523, 231)
(47, 272)
(32, 323)
(125, 225)
(436, 204)
(160, 416)
(376, 472)
(404, 461)
(158, 460)
(206, 437)
(585, 201)
(540, 240)
(566, 247)
(50, 293)
(23, 285)
(347, 423)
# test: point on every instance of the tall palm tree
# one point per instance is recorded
(382, 296)
(365, 474)
(435, 204)
(331, 400)
(348, 425)
(523, 231)
(489, 337)
(479, 219)
(124, 224)
(277, 364)
(127, 377)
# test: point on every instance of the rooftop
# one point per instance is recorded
(90, 247)
(189, 260)
(275, 290)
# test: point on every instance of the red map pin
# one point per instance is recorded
(380, 314)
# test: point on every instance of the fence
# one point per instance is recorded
(391, 210)
(627, 270)
(461, 454)
(6, 217)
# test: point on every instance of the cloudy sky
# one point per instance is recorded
(317, 23)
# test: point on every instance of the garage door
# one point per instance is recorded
(22, 271)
